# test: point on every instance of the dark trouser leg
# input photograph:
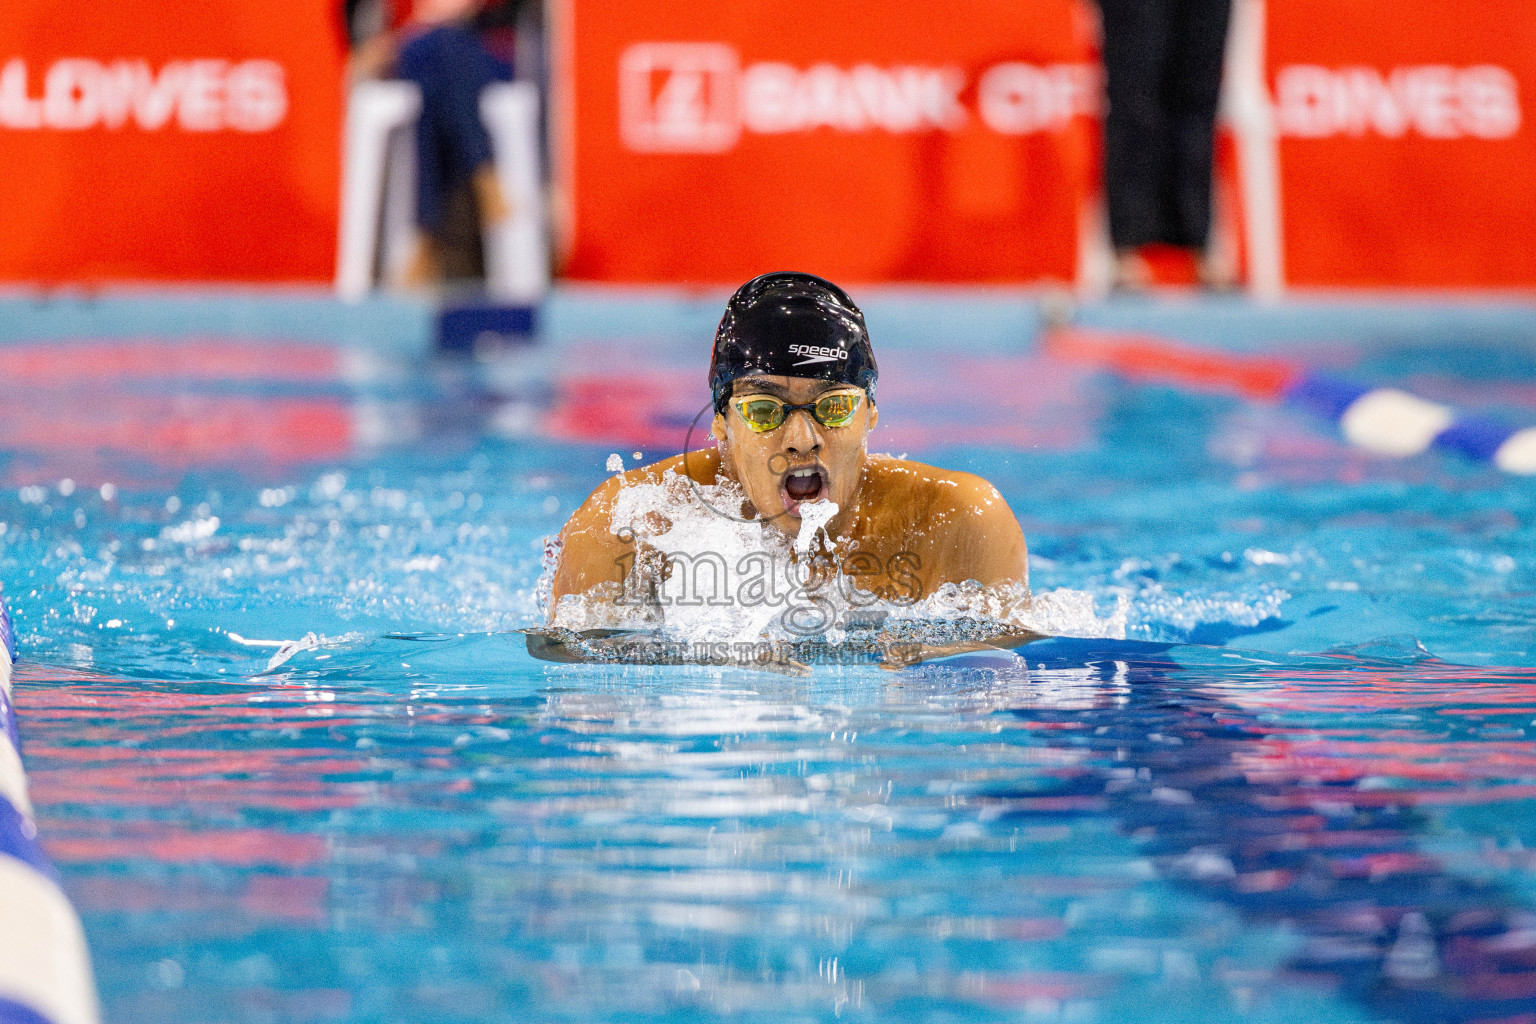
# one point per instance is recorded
(452, 68)
(459, 235)
(431, 172)
(1193, 87)
(1137, 150)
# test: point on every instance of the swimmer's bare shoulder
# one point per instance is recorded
(958, 523)
(590, 553)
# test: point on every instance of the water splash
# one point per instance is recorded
(701, 574)
(814, 517)
(1156, 613)
(286, 649)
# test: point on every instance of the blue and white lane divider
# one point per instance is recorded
(45, 971)
(1386, 421)
(1393, 422)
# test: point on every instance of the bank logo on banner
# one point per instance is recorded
(195, 95)
(1434, 101)
(679, 97)
(697, 98)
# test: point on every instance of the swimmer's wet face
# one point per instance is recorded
(793, 384)
(796, 339)
(802, 459)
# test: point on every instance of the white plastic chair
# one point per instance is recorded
(380, 116)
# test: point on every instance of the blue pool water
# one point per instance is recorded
(1303, 787)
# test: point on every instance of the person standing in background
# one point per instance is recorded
(1162, 62)
(452, 50)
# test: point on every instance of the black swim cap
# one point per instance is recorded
(791, 325)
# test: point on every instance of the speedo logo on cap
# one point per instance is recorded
(817, 354)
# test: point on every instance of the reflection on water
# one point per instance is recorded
(407, 819)
(435, 828)
(115, 411)
(618, 395)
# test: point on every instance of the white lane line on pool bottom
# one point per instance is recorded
(1393, 422)
(43, 960)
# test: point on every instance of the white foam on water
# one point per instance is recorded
(734, 579)
(1059, 612)
(1156, 613)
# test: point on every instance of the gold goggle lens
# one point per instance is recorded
(837, 410)
(763, 413)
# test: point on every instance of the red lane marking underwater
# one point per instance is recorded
(282, 897)
(976, 401)
(645, 409)
(1385, 421)
(69, 414)
(242, 847)
(139, 358)
(195, 430)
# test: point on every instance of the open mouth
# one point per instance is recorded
(808, 483)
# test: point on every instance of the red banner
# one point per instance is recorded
(162, 141)
(862, 140)
(1407, 154)
(167, 141)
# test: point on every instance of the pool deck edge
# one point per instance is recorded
(906, 317)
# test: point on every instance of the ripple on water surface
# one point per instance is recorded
(433, 826)
(406, 818)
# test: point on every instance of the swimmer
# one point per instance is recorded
(793, 381)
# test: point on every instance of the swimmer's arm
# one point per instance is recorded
(900, 656)
(976, 537)
(590, 554)
(981, 538)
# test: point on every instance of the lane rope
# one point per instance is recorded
(1385, 421)
(45, 971)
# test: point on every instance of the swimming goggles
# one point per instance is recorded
(763, 413)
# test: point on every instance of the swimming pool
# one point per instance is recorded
(1301, 788)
